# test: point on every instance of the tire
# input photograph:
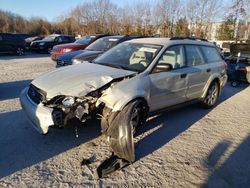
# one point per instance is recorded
(20, 51)
(136, 111)
(211, 96)
(120, 128)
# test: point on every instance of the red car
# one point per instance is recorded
(77, 45)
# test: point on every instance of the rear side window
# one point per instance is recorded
(194, 56)
(211, 54)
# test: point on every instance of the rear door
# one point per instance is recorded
(199, 71)
(169, 88)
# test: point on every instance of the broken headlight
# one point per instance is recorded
(68, 101)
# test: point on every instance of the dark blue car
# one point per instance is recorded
(93, 50)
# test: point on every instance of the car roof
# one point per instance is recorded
(115, 36)
(169, 41)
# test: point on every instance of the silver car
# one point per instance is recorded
(125, 85)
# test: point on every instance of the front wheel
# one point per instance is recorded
(211, 96)
(119, 127)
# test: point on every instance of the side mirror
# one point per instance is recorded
(163, 67)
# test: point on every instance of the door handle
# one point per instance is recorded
(183, 75)
(208, 70)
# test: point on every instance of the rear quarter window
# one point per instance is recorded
(211, 54)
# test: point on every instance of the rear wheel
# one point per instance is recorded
(211, 96)
(234, 83)
(20, 51)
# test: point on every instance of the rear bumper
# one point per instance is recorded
(39, 115)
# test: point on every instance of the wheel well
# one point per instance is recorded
(139, 98)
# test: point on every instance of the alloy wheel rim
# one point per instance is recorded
(135, 118)
(20, 51)
(212, 95)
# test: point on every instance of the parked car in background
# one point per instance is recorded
(23, 35)
(46, 44)
(238, 64)
(125, 85)
(77, 45)
(93, 50)
(32, 39)
(12, 43)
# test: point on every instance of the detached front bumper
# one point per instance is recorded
(39, 115)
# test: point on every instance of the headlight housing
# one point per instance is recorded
(65, 50)
(76, 61)
(41, 43)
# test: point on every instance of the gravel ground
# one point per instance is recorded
(185, 147)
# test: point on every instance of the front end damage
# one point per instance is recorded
(58, 111)
(61, 109)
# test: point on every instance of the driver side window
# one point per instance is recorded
(174, 56)
(58, 39)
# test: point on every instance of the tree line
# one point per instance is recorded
(159, 17)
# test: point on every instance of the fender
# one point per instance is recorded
(118, 96)
(213, 77)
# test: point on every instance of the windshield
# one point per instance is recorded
(129, 56)
(103, 44)
(50, 38)
(85, 40)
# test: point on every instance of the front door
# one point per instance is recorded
(169, 88)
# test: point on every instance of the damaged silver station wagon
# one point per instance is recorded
(124, 86)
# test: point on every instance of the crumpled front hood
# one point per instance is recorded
(77, 80)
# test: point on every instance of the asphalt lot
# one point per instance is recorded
(185, 147)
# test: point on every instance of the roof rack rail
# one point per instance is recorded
(188, 38)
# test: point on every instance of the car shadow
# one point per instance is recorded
(11, 90)
(235, 171)
(21, 146)
(25, 56)
(168, 125)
